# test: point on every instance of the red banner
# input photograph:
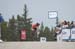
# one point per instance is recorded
(23, 34)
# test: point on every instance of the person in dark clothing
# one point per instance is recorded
(72, 24)
(1, 18)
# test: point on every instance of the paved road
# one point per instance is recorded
(37, 45)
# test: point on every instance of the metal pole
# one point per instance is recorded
(57, 20)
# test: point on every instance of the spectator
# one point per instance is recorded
(72, 24)
(64, 24)
(68, 24)
(1, 18)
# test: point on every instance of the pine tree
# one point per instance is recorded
(20, 26)
(42, 27)
(41, 30)
(53, 34)
(12, 30)
(46, 33)
(27, 23)
(4, 31)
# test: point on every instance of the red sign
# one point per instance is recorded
(23, 34)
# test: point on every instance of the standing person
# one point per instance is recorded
(65, 25)
(58, 33)
(68, 24)
(73, 24)
(34, 31)
(1, 20)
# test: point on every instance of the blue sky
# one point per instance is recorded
(38, 9)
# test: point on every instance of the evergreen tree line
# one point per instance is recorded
(11, 30)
